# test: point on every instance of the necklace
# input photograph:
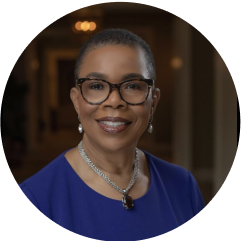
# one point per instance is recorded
(127, 200)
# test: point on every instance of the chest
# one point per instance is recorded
(88, 213)
(106, 219)
(99, 185)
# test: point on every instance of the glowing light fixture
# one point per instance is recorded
(85, 26)
(78, 25)
(92, 26)
(176, 63)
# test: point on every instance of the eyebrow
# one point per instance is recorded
(96, 75)
(125, 77)
(132, 76)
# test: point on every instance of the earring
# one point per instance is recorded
(150, 127)
(80, 128)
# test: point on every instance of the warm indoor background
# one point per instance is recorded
(195, 124)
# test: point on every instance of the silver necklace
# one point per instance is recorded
(127, 200)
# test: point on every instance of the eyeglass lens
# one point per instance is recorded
(133, 92)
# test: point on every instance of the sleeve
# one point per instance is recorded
(196, 196)
(29, 205)
(200, 227)
(203, 227)
(44, 228)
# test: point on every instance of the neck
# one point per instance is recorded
(117, 162)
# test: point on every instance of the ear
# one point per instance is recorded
(75, 95)
(156, 94)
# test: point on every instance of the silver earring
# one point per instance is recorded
(150, 127)
(80, 128)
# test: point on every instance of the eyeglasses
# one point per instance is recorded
(96, 91)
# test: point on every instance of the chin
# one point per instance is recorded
(117, 144)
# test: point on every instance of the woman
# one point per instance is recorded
(106, 188)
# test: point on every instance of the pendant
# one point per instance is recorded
(127, 201)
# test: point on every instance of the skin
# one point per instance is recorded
(113, 153)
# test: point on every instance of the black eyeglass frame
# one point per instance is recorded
(80, 81)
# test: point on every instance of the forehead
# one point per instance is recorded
(114, 60)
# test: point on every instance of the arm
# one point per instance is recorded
(44, 228)
(202, 228)
(29, 203)
(30, 208)
(196, 197)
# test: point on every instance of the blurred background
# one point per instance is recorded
(195, 124)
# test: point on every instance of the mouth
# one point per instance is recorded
(113, 125)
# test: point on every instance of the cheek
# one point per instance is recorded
(142, 114)
(86, 110)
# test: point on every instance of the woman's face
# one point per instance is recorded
(114, 63)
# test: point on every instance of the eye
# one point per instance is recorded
(132, 86)
(96, 86)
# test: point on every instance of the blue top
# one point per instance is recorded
(172, 199)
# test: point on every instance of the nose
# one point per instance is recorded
(114, 100)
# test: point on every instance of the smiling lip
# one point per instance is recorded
(113, 125)
(113, 119)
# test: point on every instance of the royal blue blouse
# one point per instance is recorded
(172, 199)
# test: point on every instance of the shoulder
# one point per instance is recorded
(178, 183)
(175, 179)
(46, 179)
(165, 169)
